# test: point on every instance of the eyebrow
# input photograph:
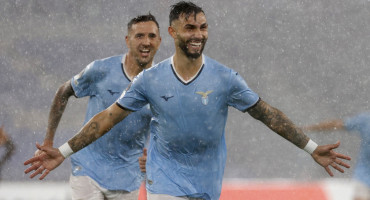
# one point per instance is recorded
(203, 25)
(191, 25)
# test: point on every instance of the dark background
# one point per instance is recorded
(310, 59)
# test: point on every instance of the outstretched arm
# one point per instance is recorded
(55, 114)
(329, 125)
(278, 122)
(51, 158)
(98, 126)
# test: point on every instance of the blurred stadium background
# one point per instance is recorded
(310, 59)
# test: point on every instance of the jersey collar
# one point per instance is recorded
(192, 78)
(123, 67)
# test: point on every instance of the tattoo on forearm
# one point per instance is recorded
(279, 123)
(57, 109)
(91, 132)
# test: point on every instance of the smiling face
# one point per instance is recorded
(190, 34)
(143, 41)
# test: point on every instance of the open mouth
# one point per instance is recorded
(144, 52)
(196, 45)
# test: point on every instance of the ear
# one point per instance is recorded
(172, 32)
(126, 39)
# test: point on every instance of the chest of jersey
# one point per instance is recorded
(196, 111)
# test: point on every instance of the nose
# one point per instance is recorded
(146, 41)
(198, 33)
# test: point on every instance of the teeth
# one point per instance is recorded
(196, 44)
(145, 51)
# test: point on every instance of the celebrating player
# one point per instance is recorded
(189, 95)
(109, 167)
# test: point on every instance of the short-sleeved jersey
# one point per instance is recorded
(187, 150)
(361, 124)
(112, 160)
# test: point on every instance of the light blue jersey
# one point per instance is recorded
(187, 152)
(112, 160)
(361, 124)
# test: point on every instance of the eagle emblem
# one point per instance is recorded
(205, 96)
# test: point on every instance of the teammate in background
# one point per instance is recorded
(189, 94)
(109, 167)
(359, 123)
(7, 143)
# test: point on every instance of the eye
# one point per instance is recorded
(152, 35)
(139, 35)
(190, 27)
(204, 26)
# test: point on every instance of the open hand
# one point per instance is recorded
(326, 156)
(49, 159)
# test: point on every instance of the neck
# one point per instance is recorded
(132, 68)
(186, 67)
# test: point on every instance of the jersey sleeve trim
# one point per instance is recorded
(74, 93)
(123, 108)
(254, 105)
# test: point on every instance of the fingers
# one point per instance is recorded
(334, 146)
(143, 169)
(329, 171)
(44, 174)
(38, 146)
(31, 168)
(36, 164)
(38, 171)
(342, 163)
(342, 156)
(337, 167)
(145, 152)
(32, 160)
(142, 161)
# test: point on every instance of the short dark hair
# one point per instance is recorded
(183, 7)
(141, 18)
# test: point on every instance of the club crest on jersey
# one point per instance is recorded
(205, 96)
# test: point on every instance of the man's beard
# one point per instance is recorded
(184, 48)
(141, 63)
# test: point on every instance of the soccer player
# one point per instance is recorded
(359, 123)
(189, 95)
(109, 167)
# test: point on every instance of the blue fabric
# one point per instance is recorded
(187, 150)
(112, 160)
(361, 124)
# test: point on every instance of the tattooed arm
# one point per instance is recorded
(58, 106)
(101, 123)
(98, 126)
(277, 121)
(56, 111)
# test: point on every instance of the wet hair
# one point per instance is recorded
(182, 7)
(141, 18)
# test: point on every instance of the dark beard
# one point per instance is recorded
(183, 47)
(141, 64)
